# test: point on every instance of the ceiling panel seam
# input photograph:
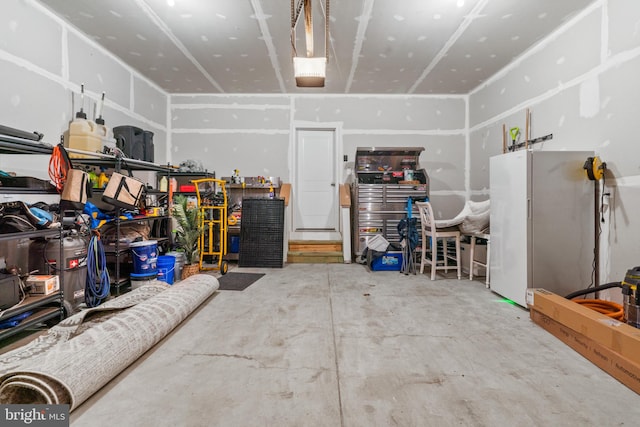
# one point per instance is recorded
(475, 13)
(165, 29)
(538, 46)
(363, 23)
(612, 62)
(261, 107)
(209, 131)
(432, 132)
(69, 27)
(68, 85)
(268, 41)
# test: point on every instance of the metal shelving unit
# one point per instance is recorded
(117, 250)
(45, 307)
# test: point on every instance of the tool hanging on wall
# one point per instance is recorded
(595, 168)
(514, 132)
(515, 147)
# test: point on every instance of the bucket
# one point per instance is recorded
(166, 267)
(144, 255)
(235, 244)
(180, 260)
(138, 280)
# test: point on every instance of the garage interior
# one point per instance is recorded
(325, 338)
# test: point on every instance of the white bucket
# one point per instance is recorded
(180, 261)
(136, 282)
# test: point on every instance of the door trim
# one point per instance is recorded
(335, 127)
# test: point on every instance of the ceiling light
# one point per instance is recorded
(309, 71)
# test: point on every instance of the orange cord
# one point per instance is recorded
(608, 308)
(58, 168)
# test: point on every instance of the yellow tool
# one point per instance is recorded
(514, 132)
(594, 168)
(214, 223)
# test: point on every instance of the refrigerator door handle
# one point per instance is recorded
(528, 208)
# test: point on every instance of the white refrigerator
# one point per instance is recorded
(542, 223)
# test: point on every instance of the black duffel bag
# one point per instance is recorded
(16, 217)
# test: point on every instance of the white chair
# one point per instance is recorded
(431, 234)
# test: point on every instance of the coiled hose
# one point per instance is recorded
(98, 283)
(609, 308)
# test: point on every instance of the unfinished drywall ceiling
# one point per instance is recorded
(377, 46)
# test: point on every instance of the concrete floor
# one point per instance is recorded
(336, 345)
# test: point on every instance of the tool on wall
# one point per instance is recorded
(515, 133)
(595, 168)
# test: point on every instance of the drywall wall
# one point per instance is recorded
(253, 133)
(580, 84)
(44, 61)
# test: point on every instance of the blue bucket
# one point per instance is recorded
(144, 255)
(235, 244)
(166, 267)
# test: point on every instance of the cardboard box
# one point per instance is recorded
(43, 285)
(619, 367)
(480, 255)
(610, 333)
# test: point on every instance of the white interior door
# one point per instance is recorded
(316, 181)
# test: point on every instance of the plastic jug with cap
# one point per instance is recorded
(82, 134)
(105, 132)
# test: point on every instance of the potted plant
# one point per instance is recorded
(187, 235)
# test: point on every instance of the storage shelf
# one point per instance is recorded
(41, 304)
(125, 163)
(27, 190)
(110, 249)
(29, 234)
(11, 145)
(41, 313)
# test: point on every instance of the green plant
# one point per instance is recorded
(187, 235)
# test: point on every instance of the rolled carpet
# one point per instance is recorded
(71, 370)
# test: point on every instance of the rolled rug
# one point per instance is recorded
(71, 371)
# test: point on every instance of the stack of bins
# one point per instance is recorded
(262, 233)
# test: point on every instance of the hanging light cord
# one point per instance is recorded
(295, 14)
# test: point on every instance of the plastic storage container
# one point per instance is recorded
(390, 261)
(144, 255)
(83, 135)
(180, 261)
(138, 280)
(166, 268)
